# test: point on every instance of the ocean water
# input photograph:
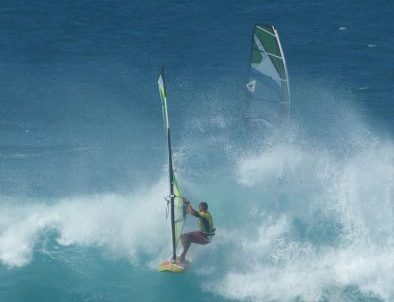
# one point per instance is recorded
(301, 215)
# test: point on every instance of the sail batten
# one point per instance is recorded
(270, 54)
(268, 32)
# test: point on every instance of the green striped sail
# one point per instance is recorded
(268, 93)
(163, 97)
(178, 210)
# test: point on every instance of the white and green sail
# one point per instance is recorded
(268, 94)
(177, 208)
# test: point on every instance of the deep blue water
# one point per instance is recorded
(83, 151)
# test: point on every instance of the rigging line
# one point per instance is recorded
(168, 205)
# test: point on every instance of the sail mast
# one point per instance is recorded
(163, 95)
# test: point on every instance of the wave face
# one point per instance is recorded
(303, 213)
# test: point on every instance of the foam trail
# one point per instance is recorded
(317, 221)
(332, 229)
(306, 217)
(122, 226)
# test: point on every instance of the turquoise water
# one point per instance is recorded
(301, 216)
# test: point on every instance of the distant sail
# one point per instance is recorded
(268, 93)
(178, 210)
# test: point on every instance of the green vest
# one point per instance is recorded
(205, 222)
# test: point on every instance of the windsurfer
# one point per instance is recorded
(205, 223)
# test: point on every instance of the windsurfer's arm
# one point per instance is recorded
(190, 209)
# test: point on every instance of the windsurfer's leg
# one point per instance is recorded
(185, 239)
(198, 238)
(188, 238)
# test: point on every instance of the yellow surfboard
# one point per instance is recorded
(173, 266)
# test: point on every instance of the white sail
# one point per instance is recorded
(268, 93)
